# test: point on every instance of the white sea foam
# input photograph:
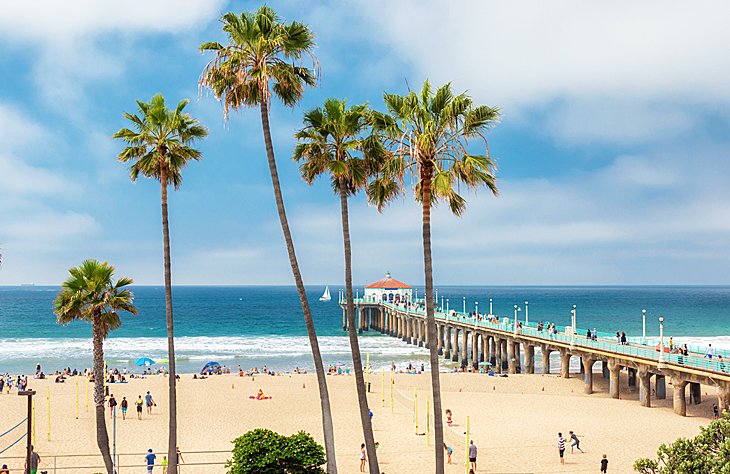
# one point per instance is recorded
(199, 347)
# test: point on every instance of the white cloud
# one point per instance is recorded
(68, 35)
(597, 71)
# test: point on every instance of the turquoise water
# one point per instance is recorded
(253, 326)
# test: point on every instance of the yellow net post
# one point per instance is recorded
(428, 421)
(382, 386)
(391, 393)
(77, 397)
(367, 369)
(48, 410)
(466, 456)
(33, 403)
(415, 408)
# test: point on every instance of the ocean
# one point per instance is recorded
(257, 326)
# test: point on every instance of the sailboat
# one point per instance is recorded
(326, 295)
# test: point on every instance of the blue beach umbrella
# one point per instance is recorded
(144, 361)
(211, 367)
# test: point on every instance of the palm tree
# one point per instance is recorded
(333, 142)
(265, 57)
(429, 136)
(159, 147)
(91, 295)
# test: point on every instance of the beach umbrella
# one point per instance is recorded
(144, 361)
(485, 363)
(340, 364)
(210, 367)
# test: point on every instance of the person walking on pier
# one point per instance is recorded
(575, 442)
(561, 448)
(710, 351)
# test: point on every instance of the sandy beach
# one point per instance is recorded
(514, 421)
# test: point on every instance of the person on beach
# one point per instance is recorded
(139, 404)
(449, 451)
(125, 405)
(149, 402)
(112, 404)
(4, 469)
(448, 417)
(473, 454)
(604, 464)
(575, 442)
(35, 460)
(179, 456)
(363, 458)
(164, 464)
(561, 448)
(150, 460)
(715, 412)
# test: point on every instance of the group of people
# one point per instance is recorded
(150, 460)
(7, 382)
(148, 402)
(575, 444)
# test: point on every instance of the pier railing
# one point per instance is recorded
(604, 342)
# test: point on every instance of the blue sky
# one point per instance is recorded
(612, 151)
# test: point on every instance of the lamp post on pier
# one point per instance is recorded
(514, 328)
(490, 307)
(437, 295)
(661, 341)
(643, 326)
(465, 306)
(572, 333)
(442, 304)
(476, 304)
(527, 315)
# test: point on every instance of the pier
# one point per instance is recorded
(510, 346)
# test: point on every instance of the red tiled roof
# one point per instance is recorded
(387, 283)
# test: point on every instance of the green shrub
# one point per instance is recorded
(262, 451)
(706, 453)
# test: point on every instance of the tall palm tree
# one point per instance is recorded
(334, 141)
(91, 295)
(159, 147)
(429, 136)
(264, 57)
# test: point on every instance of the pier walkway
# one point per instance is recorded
(474, 339)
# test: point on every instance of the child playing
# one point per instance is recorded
(604, 464)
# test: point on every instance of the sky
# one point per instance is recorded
(612, 149)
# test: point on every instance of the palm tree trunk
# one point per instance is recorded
(362, 398)
(102, 437)
(327, 424)
(172, 382)
(438, 426)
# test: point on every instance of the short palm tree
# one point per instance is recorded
(264, 58)
(429, 136)
(334, 141)
(159, 147)
(91, 295)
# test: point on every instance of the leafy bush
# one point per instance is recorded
(262, 451)
(707, 453)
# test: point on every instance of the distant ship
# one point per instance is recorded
(27, 284)
(326, 295)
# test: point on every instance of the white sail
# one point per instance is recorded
(326, 295)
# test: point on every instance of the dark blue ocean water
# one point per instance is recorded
(253, 326)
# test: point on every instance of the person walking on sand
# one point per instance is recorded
(150, 460)
(112, 404)
(604, 464)
(363, 458)
(125, 405)
(35, 460)
(149, 402)
(179, 456)
(561, 447)
(473, 454)
(139, 404)
(575, 442)
(164, 464)
(449, 451)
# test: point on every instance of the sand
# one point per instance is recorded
(514, 421)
